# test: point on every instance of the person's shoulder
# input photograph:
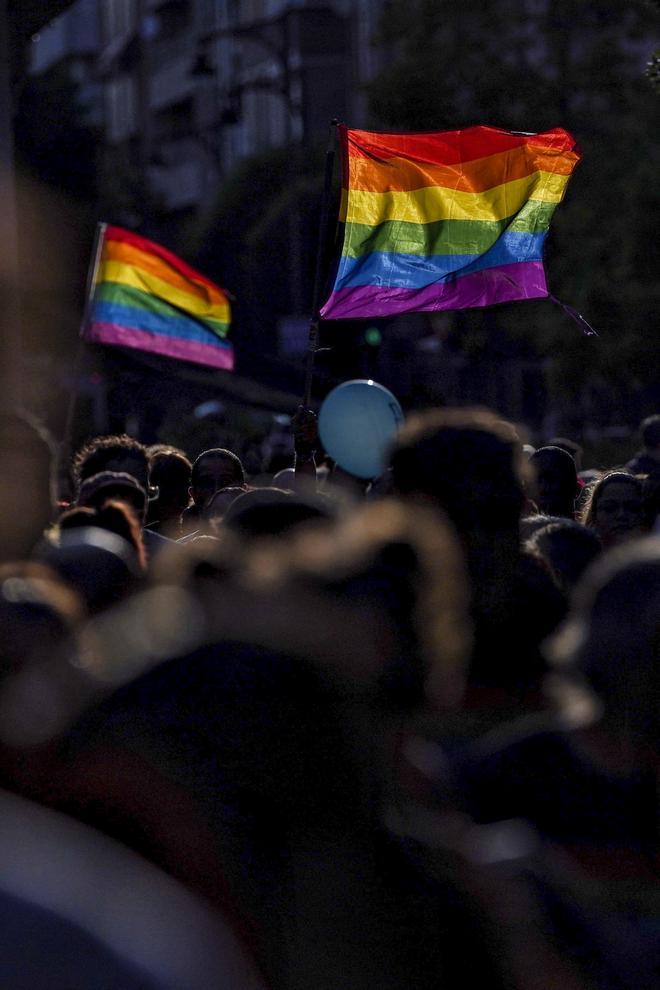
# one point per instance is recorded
(521, 737)
(643, 463)
(155, 542)
(518, 750)
(189, 537)
(512, 768)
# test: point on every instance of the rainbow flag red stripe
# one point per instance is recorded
(445, 220)
(146, 298)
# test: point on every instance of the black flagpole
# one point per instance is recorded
(312, 345)
(65, 446)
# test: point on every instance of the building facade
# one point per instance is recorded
(186, 89)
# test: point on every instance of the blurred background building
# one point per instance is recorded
(189, 88)
(202, 124)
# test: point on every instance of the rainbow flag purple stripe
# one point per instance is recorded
(445, 220)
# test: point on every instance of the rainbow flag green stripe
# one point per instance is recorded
(443, 236)
(146, 298)
(405, 271)
(116, 294)
(423, 213)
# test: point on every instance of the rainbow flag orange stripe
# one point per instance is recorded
(445, 220)
(145, 297)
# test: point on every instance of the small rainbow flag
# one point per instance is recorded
(146, 298)
(445, 220)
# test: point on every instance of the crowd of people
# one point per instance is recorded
(326, 733)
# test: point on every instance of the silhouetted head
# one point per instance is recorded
(568, 548)
(555, 484)
(570, 446)
(467, 461)
(529, 525)
(612, 639)
(650, 430)
(96, 490)
(170, 471)
(213, 470)
(119, 453)
(116, 515)
(98, 563)
(273, 512)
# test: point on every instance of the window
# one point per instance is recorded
(173, 17)
(174, 122)
(120, 108)
(118, 17)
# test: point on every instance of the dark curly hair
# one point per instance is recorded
(99, 452)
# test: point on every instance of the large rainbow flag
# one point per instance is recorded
(445, 220)
(146, 298)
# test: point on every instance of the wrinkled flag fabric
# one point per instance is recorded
(145, 297)
(445, 220)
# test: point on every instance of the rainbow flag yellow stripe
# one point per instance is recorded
(431, 203)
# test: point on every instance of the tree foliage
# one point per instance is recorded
(531, 65)
(244, 240)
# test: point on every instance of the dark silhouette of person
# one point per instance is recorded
(570, 446)
(170, 471)
(275, 512)
(647, 460)
(113, 514)
(556, 485)
(587, 777)
(213, 470)
(470, 464)
(124, 455)
(568, 548)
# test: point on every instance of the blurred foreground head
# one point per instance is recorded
(470, 464)
(467, 461)
(650, 431)
(377, 599)
(101, 565)
(37, 613)
(567, 547)
(612, 639)
(274, 512)
(26, 493)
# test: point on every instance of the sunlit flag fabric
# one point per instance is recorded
(445, 220)
(146, 298)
